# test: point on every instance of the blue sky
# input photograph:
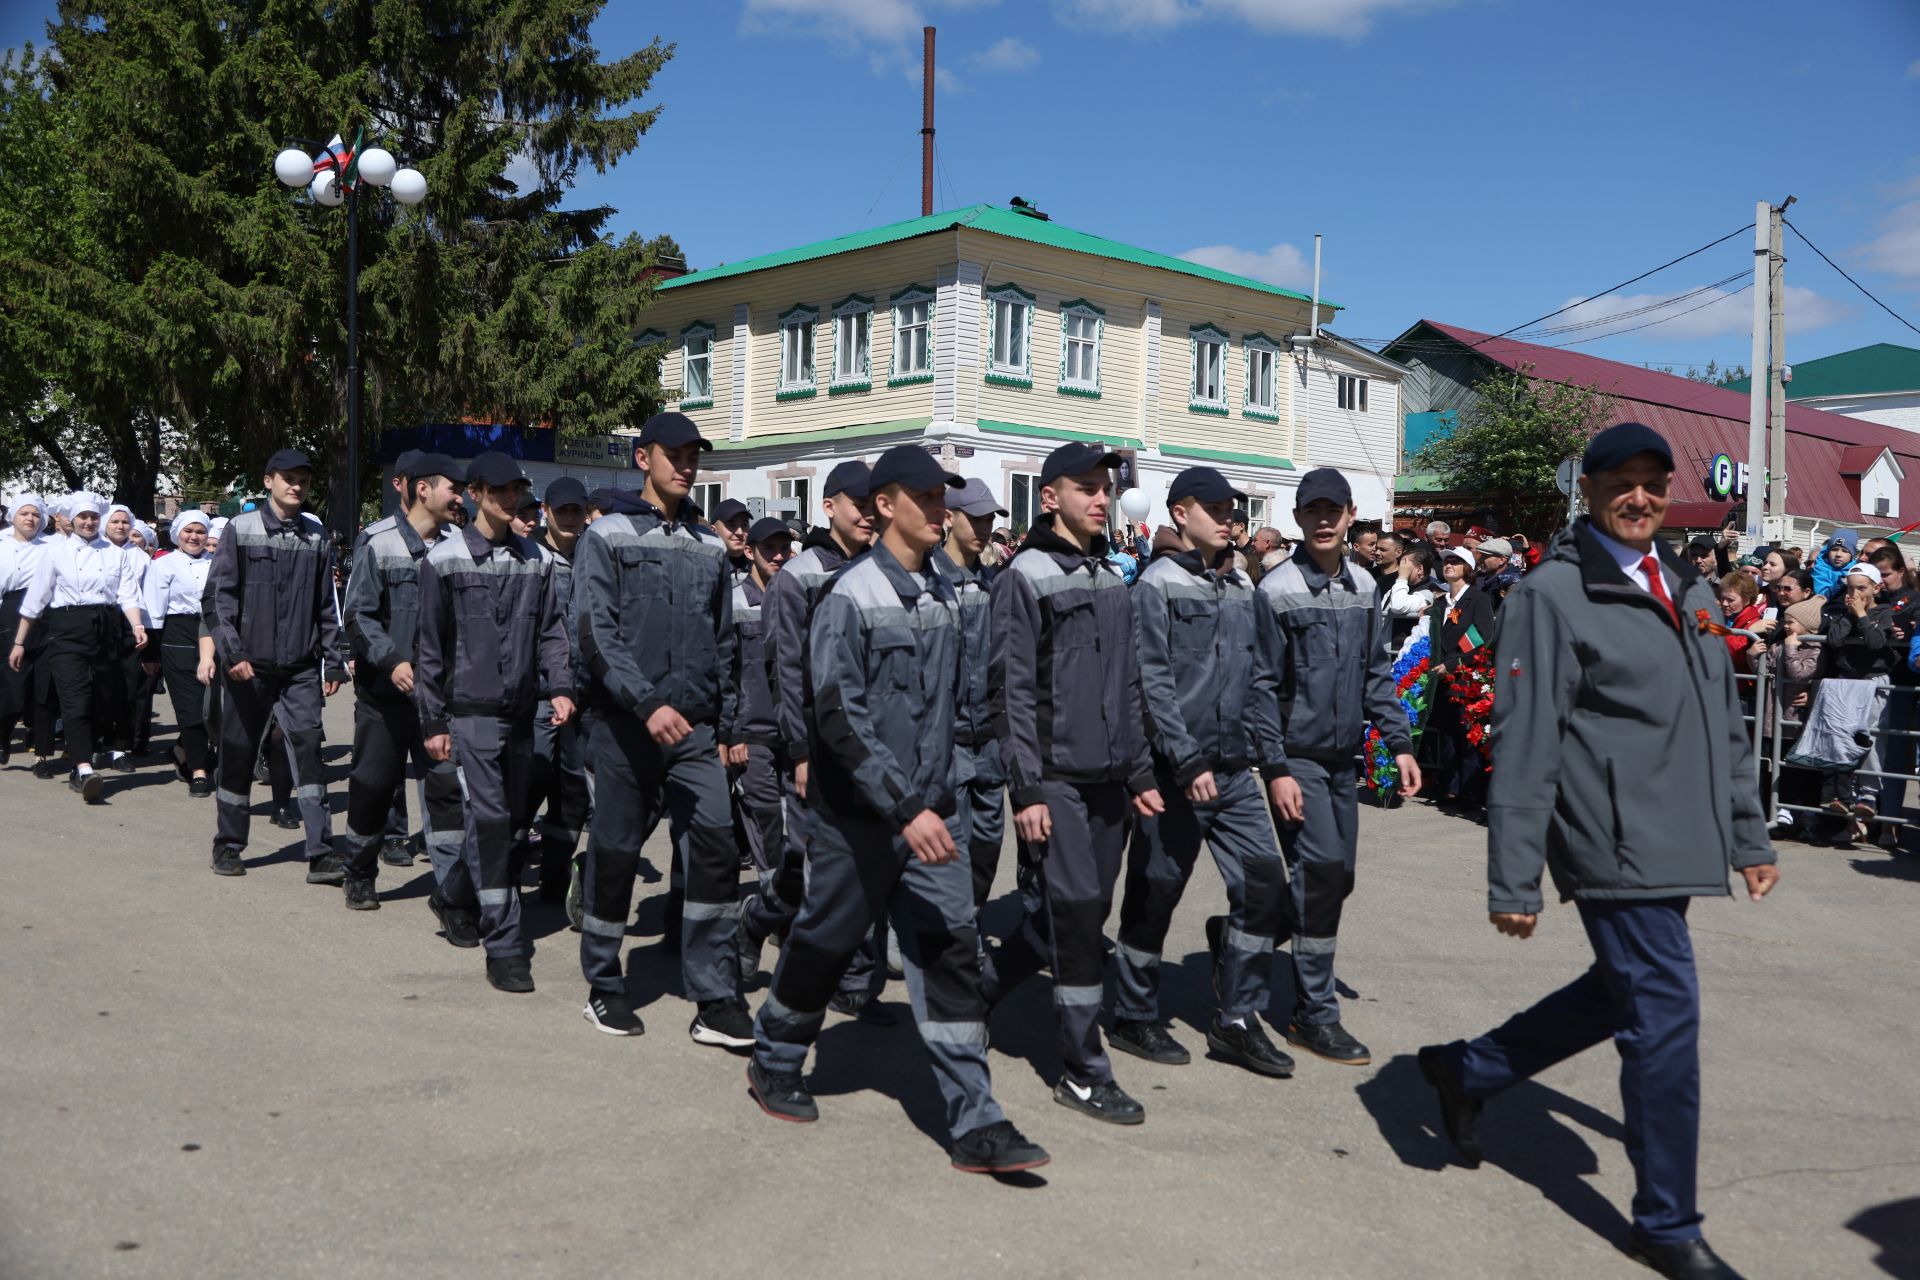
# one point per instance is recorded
(1475, 161)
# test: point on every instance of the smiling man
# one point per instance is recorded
(1620, 765)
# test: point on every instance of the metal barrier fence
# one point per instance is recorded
(1773, 736)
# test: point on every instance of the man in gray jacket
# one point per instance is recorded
(1620, 765)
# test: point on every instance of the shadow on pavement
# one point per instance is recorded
(852, 1056)
(1893, 1228)
(1524, 1132)
(1896, 868)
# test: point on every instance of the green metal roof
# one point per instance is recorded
(996, 221)
(1875, 370)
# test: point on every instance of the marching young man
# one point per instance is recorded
(749, 740)
(654, 605)
(785, 615)
(1335, 675)
(883, 654)
(732, 525)
(560, 750)
(1066, 705)
(382, 609)
(491, 647)
(269, 610)
(1213, 714)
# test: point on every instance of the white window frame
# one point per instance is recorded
(1257, 349)
(1207, 335)
(1080, 308)
(1017, 301)
(700, 488)
(1353, 392)
(852, 345)
(798, 490)
(1032, 487)
(1256, 509)
(797, 341)
(699, 330)
(901, 374)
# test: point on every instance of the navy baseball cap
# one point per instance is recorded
(426, 465)
(527, 503)
(403, 465)
(1207, 485)
(1323, 482)
(728, 510)
(669, 430)
(768, 527)
(976, 500)
(494, 469)
(1077, 459)
(566, 492)
(288, 460)
(913, 469)
(600, 499)
(1612, 447)
(851, 478)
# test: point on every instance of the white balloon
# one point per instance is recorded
(1134, 505)
(326, 191)
(409, 186)
(377, 166)
(293, 167)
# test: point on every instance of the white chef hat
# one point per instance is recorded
(192, 515)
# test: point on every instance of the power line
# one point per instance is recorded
(1634, 312)
(883, 191)
(1623, 284)
(1849, 279)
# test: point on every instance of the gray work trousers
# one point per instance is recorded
(859, 873)
(979, 821)
(295, 700)
(1321, 851)
(493, 759)
(757, 822)
(637, 782)
(1160, 862)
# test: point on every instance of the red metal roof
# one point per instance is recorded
(1700, 421)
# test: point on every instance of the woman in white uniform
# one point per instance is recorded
(131, 705)
(21, 547)
(174, 585)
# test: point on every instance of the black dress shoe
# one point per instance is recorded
(1459, 1114)
(510, 973)
(1687, 1260)
(1149, 1040)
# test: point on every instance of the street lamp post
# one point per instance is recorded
(333, 177)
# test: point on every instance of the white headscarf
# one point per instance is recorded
(193, 515)
(216, 527)
(108, 513)
(86, 501)
(147, 534)
(33, 500)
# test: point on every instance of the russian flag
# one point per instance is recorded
(339, 158)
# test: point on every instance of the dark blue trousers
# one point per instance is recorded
(1641, 991)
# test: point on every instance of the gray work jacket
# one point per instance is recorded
(753, 723)
(784, 618)
(1329, 654)
(382, 604)
(269, 595)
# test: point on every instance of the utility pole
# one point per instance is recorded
(926, 122)
(1757, 377)
(1776, 386)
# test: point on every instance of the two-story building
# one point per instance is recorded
(990, 335)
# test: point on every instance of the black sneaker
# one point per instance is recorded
(996, 1148)
(1108, 1102)
(395, 853)
(120, 761)
(862, 1005)
(1329, 1040)
(226, 862)
(200, 788)
(612, 1014)
(1148, 1040)
(723, 1022)
(328, 868)
(1248, 1045)
(461, 928)
(287, 819)
(47, 767)
(510, 973)
(361, 895)
(1216, 933)
(85, 785)
(1459, 1114)
(751, 943)
(781, 1094)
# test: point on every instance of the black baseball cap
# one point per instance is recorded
(1323, 482)
(527, 503)
(768, 527)
(601, 499)
(670, 429)
(494, 469)
(1207, 485)
(566, 492)
(851, 478)
(913, 469)
(288, 460)
(1612, 447)
(426, 465)
(1076, 459)
(728, 510)
(403, 465)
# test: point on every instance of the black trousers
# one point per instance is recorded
(386, 736)
(83, 657)
(16, 687)
(180, 669)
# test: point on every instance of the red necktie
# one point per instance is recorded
(1658, 585)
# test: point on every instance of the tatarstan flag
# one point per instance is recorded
(1472, 639)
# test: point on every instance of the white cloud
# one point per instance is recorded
(1281, 265)
(887, 30)
(1722, 313)
(1896, 249)
(1345, 19)
(1913, 69)
(1008, 53)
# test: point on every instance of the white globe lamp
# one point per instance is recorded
(409, 186)
(326, 191)
(293, 167)
(377, 166)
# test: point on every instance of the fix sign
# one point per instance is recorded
(1726, 477)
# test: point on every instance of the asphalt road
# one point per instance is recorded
(214, 1077)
